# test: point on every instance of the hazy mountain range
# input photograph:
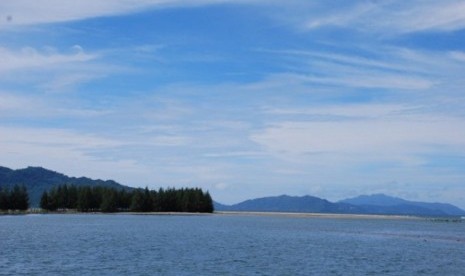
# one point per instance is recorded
(364, 204)
(37, 179)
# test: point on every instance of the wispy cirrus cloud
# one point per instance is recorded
(387, 68)
(340, 18)
(458, 55)
(48, 69)
(393, 17)
(52, 11)
(11, 103)
(432, 15)
(58, 148)
(31, 58)
(395, 69)
(382, 136)
(416, 118)
(14, 105)
(24, 12)
(347, 111)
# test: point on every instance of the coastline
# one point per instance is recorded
(224, 213)
(273, 214)
(321, 215)
(243, 213)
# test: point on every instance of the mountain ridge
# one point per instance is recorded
(390, 202)
(38, 179)
(378, 204)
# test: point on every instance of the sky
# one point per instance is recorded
(245, 98)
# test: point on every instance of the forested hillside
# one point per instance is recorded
(36, 180)
(35, 186)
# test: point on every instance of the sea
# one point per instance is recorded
(219, 244)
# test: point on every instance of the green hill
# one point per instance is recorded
(37, 180)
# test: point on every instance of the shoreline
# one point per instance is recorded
(221, 213)
(321, 215)
(243, 213)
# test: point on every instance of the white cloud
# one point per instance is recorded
(20, 106)
(54, 138)
(29, 57)
(25, 12)
(66, 151)
(430, 15)
(221, 186)
(334, 75)
(375, 80)
(396, 138)
(244, 154)
(395, 69)
(357, 148)
(50, 70)
(391, 17)
(381, 17)
(167, 141)
(353, 60)
(12, 103)
(353, 111)
(68, 81)
(340, 18)
(457, 55)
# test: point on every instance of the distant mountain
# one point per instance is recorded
(384, 203)
(219, 206)
(376, 204)
(376, 200)
(37, 180)
(285, 203)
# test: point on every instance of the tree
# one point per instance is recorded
(124, 200)
(96, 199)
(52, 199)
(147, 205)
(207, 206)
(19, 198)
(109, 201)
(60, 197)
(23, 199)
(65, 197)
(44, 201)
(72, 197)
(4, 199)
(137, 201)
(84, 202)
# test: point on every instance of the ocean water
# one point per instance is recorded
(227, 245)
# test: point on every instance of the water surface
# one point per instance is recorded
(227, 245)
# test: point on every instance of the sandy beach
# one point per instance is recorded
(232, 213)
(317, 215)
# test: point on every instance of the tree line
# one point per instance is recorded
(14, 199)
(105, 199)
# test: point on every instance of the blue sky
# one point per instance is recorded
(244, 98)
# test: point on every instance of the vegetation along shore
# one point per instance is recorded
(70, 198)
